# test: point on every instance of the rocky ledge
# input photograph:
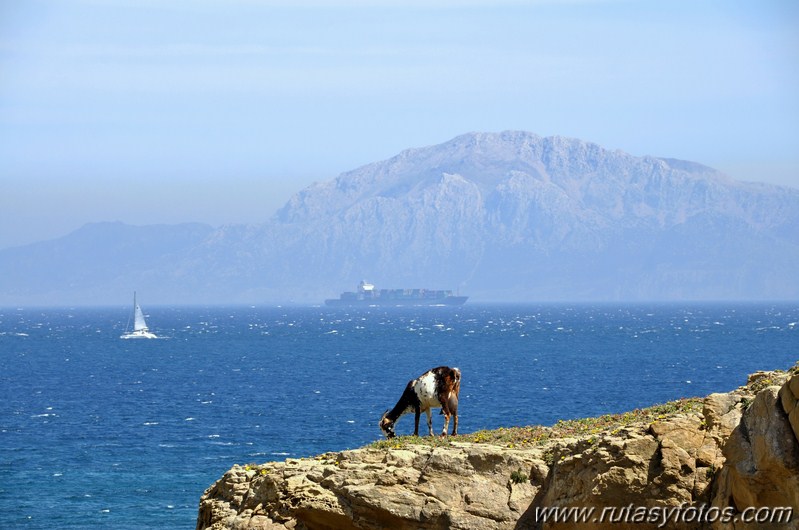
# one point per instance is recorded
(726, 451)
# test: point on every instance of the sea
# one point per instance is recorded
(99, 432)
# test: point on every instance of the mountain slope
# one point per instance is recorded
(95, 263)
(499, 216)
(517, 216)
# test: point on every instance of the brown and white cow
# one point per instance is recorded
(435, 388)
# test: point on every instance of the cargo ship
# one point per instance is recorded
(367, 295)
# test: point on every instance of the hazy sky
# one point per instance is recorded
(164, 111)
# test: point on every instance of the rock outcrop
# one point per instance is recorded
(762, 454)
(721, 455)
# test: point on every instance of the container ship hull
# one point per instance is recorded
(367, 296)
(450, 300)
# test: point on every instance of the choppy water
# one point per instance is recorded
(98, 432)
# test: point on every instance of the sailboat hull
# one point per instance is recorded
(140, 334)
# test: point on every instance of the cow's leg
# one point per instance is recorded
(452, 405)
(429, 421)
(446, 423)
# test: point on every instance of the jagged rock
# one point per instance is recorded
(789, 397)
(762, 454)
(462, 486)
(668, 463)
(739, 450)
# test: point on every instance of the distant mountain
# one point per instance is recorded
(96, 264)
(507, 216)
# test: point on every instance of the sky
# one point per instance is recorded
(217, 111)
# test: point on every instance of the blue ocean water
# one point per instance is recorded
(98, 432)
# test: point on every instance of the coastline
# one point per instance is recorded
(726, 451)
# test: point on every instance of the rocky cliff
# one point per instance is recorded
(721, 454)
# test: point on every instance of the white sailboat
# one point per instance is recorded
(140, 330)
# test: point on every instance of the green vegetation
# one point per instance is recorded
(530, 436)
(766, 380)
(402, 442)
(260, 470)
(518, 477)
(760, 384)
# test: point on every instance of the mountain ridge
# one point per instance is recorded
(499, 216)
(522, 150)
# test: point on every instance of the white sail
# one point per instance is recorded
(138, 319)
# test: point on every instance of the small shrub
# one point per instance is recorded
(518, 477)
